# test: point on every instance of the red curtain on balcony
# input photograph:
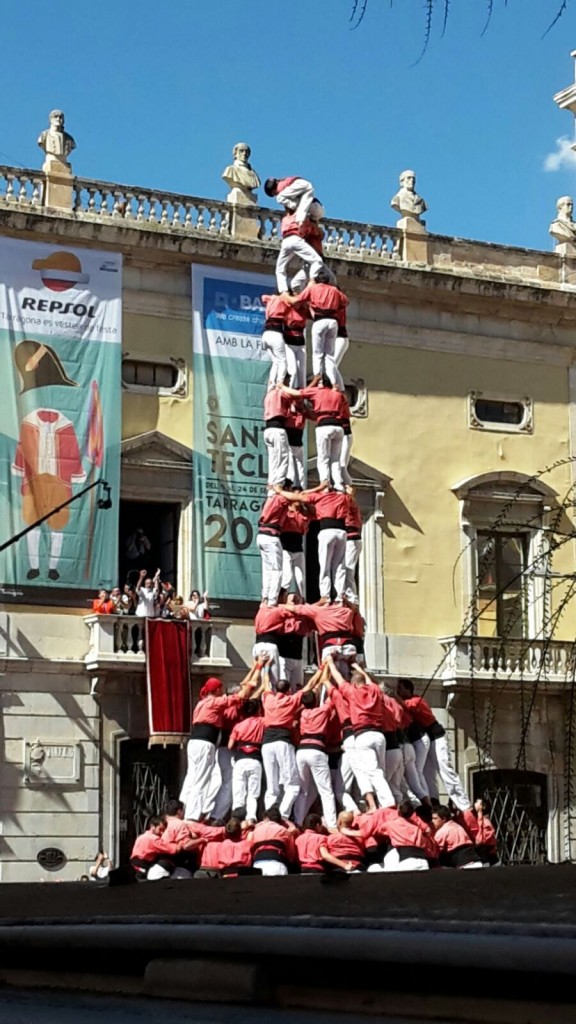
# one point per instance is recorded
(168, 680)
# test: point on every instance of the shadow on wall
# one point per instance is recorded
(396, 514)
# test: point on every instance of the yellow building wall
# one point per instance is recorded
(152, 336)
(417, 433)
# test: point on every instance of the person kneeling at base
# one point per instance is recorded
(274, 850)
(455, 846)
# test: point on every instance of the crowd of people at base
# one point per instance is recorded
(152, 598)
(261, 759)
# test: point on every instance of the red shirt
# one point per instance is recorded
(276, 404)
(296, 521)
(149, 847)
(102, 607)
(332, 618)
(211, 833)
(353, 518)
(315, 722)
(235, 853)
(451, 836)
(295, 419)
(325, 299)
(290, 226)
(280, 709)
(274, 512)
(210, 710)
(247, 734)
(308, 849)
(328, 505)
(211, 855)
(327, 404)
(177, 830)
(277, 619)
(268, 831)
(392, 713)
(345, 847)
(480, 830)
(285, 182)
(276, 308)
(421, 711)
(313, 234)
(366, 705)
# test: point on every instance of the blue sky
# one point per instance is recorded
(156, 94)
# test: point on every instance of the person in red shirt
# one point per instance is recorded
(294, 193)
(272, 625)
(235, 852)
(312, 758)
(207, 721)
(294, 327)
(246, 745)
(345, 848)
(308, 844)
(276, 408)
(280, 711)
(270, 526)
(219, 799)
(438, 760)
(330, 510)
(369, 717)
(329, 409)
(296, 524)
(291, 645)
(153, 856)
(353, 523)
(273, 337)
(481, 831)
(294, 246)
(273, 845)
(327, 305)
(412, 848)
(455, 845)
(180, 831)
(103, 604)
(339, 627)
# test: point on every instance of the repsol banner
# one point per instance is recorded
(230, 467)
(60, 357)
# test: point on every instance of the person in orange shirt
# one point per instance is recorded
(455, 845)
(103, 604)
(481, 831)
(345, 848)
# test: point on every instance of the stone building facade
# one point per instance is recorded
(461, 368)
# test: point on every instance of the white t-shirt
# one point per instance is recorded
(147, 603)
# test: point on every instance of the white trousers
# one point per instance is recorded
(292, 669)
(370, 750)
(278, 449)
(331, 559)
(414, 781)
(274, 342)
(439, 761)
(314, 772)
(340, 349)
(220, 790)
(328, 451)
(395, 772)
(292, 246)
(272, 868)
(347, 442)
(296, 465)
(392, 862)
(340, 787)
(196, 785)
(323, 342)
(353, 550)
(263, 647)
(270, 550)
(281, 771)
(293, 563)
(296, 365)
(298, 196)
(421, 748)
(246, 785)
(350, 772)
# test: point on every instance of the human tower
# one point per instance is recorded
(278, 743)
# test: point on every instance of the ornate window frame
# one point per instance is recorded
(179, 389)
(526, 425)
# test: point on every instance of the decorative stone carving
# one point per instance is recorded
(240, 177)
(563, 229)
(407, 201)
(56, 142)
(55, 763)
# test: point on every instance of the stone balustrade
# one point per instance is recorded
(119, 641)
(493, 660)
(21, 187)
(143, 207)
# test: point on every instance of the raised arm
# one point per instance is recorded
(335, 672)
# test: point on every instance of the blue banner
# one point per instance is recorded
(229, 463)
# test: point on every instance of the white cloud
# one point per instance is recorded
(564, 157)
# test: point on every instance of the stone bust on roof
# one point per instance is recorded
(55, 141)
(240, 176)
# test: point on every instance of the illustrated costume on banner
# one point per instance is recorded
(60, 355)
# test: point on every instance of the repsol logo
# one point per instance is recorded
(53, 306)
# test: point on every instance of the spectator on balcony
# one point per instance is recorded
(136, 549)
(103, 604)
(126, 604)
(198, 605)
(174, 608)
(148, 593)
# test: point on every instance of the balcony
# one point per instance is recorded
(118, 641)
(491, 659)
